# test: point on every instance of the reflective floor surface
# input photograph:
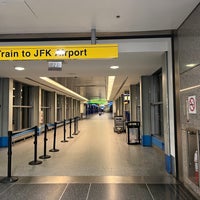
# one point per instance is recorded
(96, 164)
(94, 188)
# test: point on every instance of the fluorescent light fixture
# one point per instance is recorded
(111, 80)
(68, 91)
(190, 88)
(114, 67)
(18, 68)
(126, 97)
(191, 65)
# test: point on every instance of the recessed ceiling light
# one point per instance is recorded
(114, 67)
(111, 80)
(18, 68)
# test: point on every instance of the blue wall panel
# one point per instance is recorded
(3, 141)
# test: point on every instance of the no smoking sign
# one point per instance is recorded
(192, 105)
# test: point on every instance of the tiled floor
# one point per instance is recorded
(97, 164)
(93, 191)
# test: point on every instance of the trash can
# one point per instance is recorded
(133, 135)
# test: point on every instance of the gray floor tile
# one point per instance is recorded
(162, 191)
(76, 192)
(172, 192)
(95, 151)
(33, 192)
(119, 192)
(182, 192)
(97, 164)
(4, 187)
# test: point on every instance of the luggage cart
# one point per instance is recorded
(119, 124)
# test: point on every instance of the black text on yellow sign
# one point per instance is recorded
(59, 52)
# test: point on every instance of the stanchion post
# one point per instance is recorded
(74, 126)
(9, 178)
(54, 139)
(45, 156)
(77, 131)
(70, 128)
(35, 161)
(64, 131)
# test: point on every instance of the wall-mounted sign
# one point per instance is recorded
(97, 51)
(192, 105)
(55, 66)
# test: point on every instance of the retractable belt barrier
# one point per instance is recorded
(45, 156)
(70, 129)
(35, 129)
(10, 178)
(64, 132)
(76, 131)
(54, 139)
(35, 161)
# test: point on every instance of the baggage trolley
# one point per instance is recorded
(119, 124)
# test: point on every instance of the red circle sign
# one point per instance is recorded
(192, 104)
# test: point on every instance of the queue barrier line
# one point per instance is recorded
(54, 139)
(17, 135)
(11, 179)
(45, 156)
(64, 132)
(70, 129)
(35, 161)
(76, 131)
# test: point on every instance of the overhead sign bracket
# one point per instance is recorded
(93, 36)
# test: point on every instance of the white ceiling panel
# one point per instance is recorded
(49, 16)
(106, 16)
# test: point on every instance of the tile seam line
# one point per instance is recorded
(63, 192)
(12, 185)
(149, 192)
(88, 192)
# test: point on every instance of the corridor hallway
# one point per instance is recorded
(96, 164)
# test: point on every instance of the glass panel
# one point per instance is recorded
(25, 99)
(157, 105)
(197, 161)
(193, 157)
(158, 123)
(25, 118)
(45, 106)
(21, 106)
(59, 108)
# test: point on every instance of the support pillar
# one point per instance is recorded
(146, 110)
(6, 109)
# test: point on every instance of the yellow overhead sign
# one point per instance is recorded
(94, 51)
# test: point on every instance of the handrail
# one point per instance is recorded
(74, 120)
(14, 133)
